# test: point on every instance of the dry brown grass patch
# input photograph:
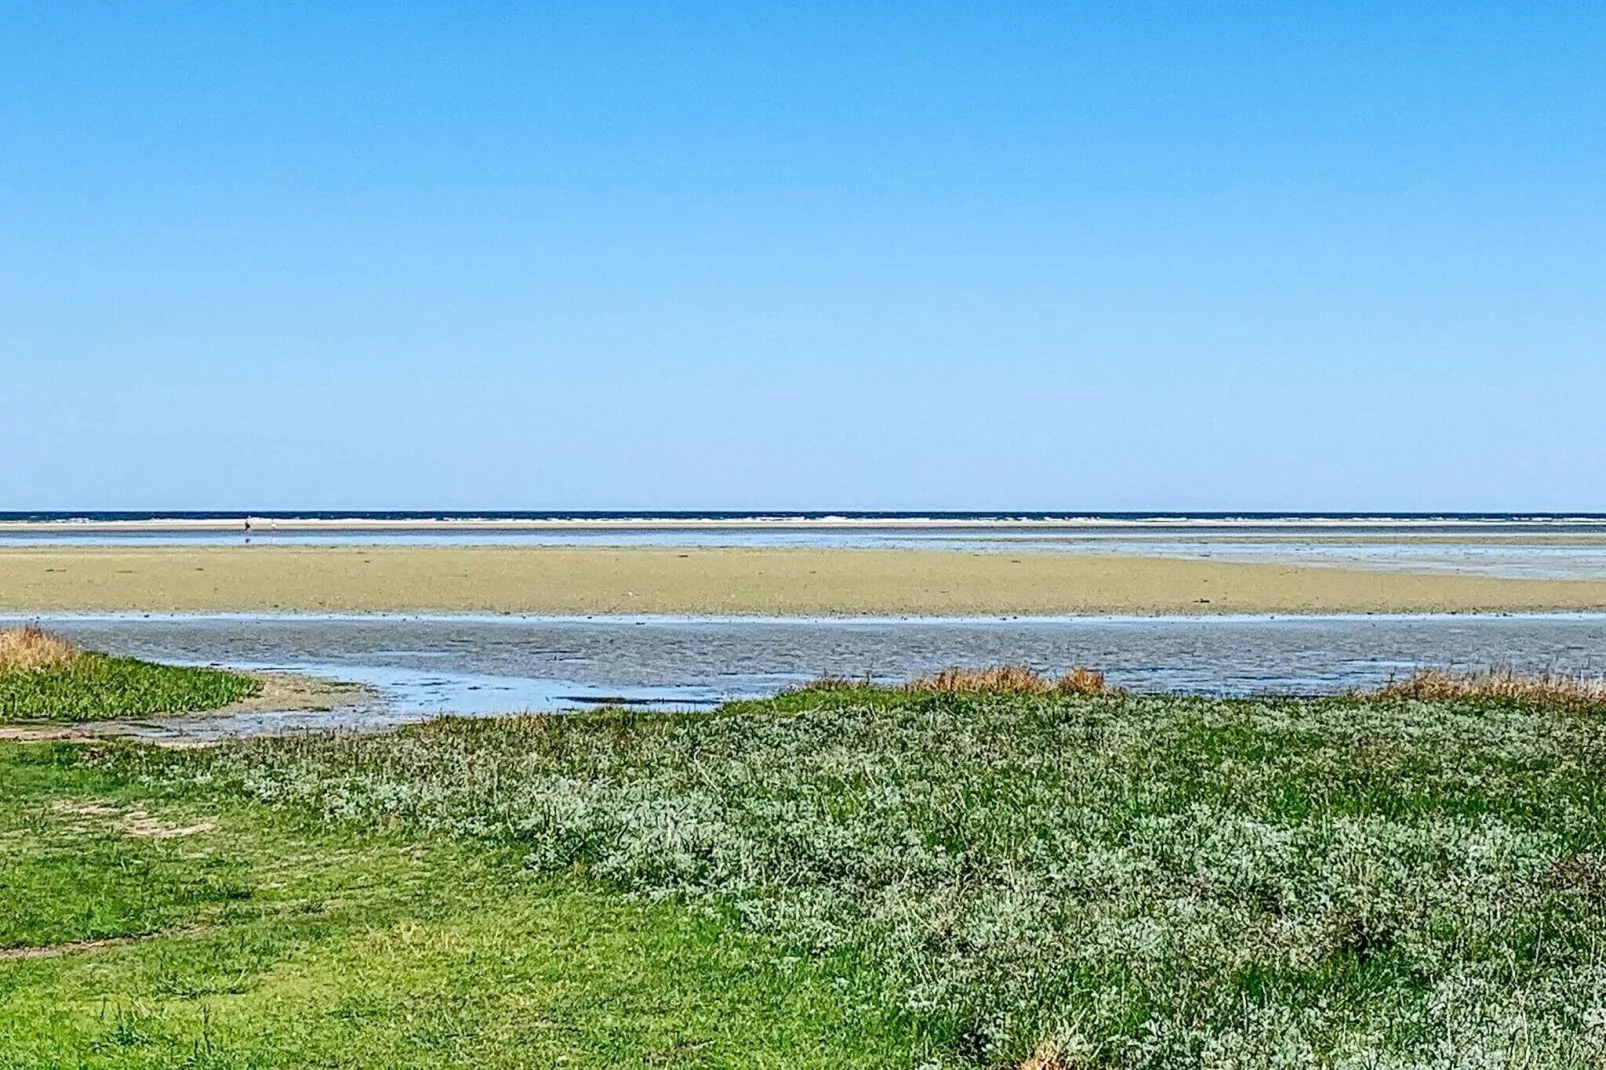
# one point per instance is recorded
(1013, 679)
(32, 649)
(1052, 1055)
(1500, 685)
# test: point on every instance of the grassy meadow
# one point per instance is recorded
(184, 928)
(1034, 875)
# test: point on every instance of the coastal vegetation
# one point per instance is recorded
(44, 678)
(1501, 685)
(1013, 679)
(186, 927)
(844, 875)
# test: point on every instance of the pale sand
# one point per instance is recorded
(781, 582)
(284, 692)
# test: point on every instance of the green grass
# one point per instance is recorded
(965, 880)
(98, 687)
(270, 939)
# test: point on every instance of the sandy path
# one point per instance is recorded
(785, 582)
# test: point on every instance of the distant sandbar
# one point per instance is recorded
(768, 581)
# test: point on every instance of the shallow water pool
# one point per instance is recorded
(425, 666)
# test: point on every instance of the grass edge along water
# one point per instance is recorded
(44, 678)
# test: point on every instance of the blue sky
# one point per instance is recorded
(903, 256)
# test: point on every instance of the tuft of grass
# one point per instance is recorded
(1499, 685)
(32, 649)
(98, 687)
(997, 680)
(1012, 679)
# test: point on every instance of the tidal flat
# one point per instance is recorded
(839, 876)
(767, 581)
(419, 666)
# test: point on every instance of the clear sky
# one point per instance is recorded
(885, 255)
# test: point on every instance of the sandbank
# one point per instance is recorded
(775, 582)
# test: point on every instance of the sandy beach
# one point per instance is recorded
(779, 582)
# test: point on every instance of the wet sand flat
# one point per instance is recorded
(779, 582)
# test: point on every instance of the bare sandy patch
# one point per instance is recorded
(130, 820)
(141, 825)
(90, 808)
(17, 954)
(22, 733)
(294, 693)
(51, 951)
